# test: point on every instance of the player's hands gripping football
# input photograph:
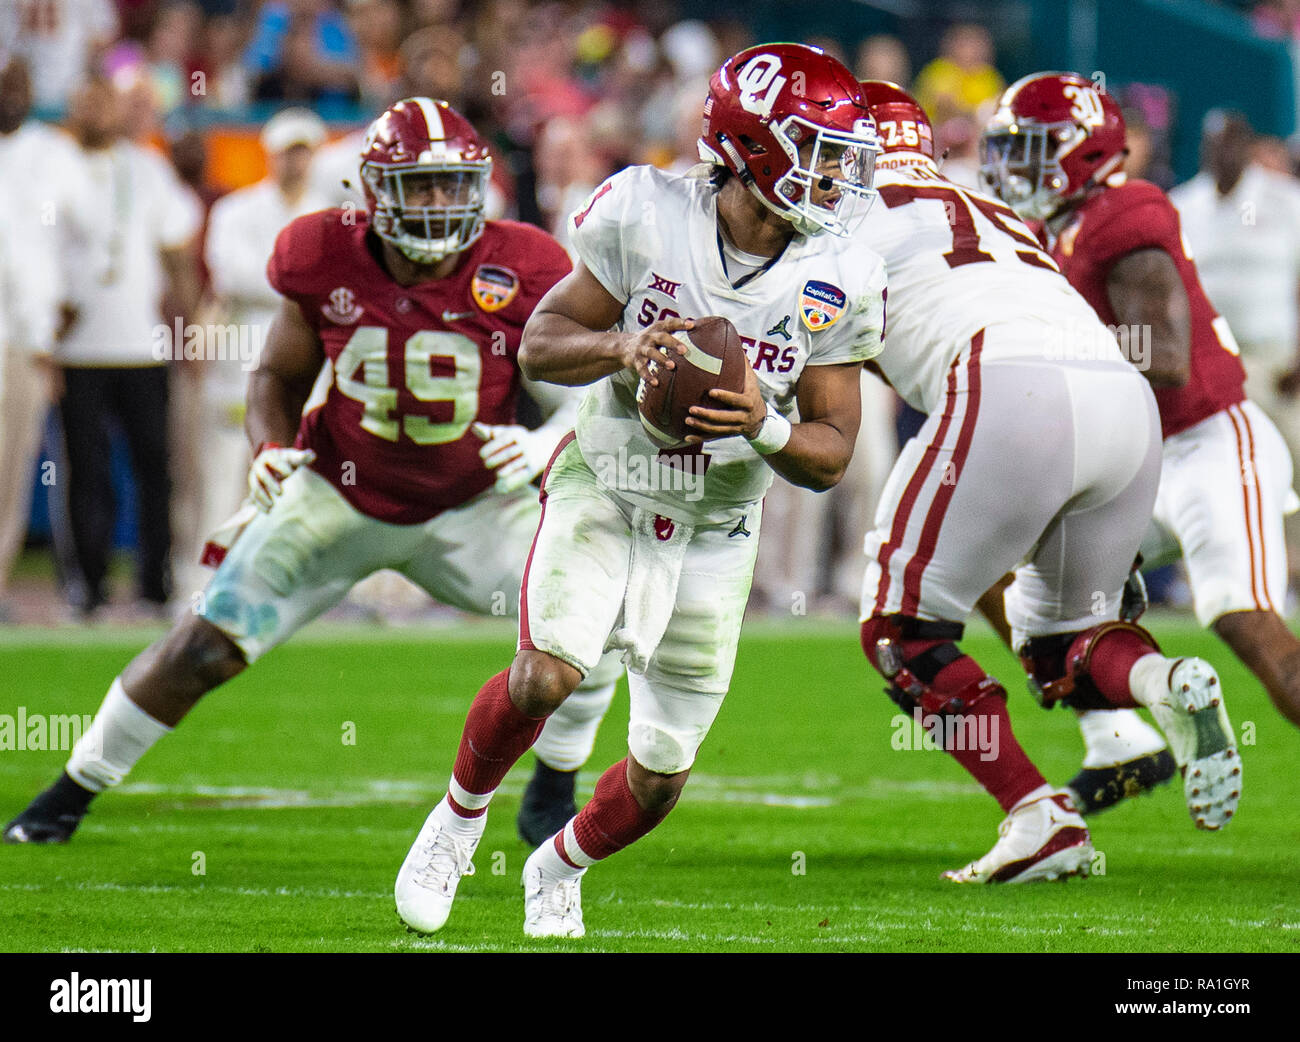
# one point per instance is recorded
(737, 413)
(516, 454)
(656, 347)
(271, 466)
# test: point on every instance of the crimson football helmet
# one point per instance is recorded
(425, 173)
(1053, 137)
(901, 123)
(785, 118)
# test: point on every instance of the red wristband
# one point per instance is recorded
(266, 445)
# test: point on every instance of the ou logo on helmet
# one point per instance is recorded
(760, 83)
(1087, 105)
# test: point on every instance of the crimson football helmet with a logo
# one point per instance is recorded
(784, 118)
(901, 123)
(425, 173)
(1053, 137)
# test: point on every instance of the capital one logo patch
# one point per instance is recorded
(820, 305)
(493, 287)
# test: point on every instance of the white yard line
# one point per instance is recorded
(796, 792)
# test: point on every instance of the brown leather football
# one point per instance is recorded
(715, 358)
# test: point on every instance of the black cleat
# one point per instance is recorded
(1097, 788)
(53, 816)
(548, 804)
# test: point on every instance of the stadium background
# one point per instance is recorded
(570, 92)
(255, 782)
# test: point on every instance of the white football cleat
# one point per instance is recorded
(441, 855)
(552, 903)
(1187, 703)
(1044, 838)
(1115, 736)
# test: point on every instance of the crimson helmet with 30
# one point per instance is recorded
(1053, 137)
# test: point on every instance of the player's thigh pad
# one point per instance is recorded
(575, 576)
(291, 564)
(674, 704)
(1075, 575)
(473, 557)
(1222, 491)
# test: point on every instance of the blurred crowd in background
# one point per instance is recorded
(136, 200)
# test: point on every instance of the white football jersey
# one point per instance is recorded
(959, 262)
(651, 239)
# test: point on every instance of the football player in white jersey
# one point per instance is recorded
(1041, 454)
(652, 550)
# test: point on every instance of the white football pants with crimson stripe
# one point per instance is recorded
(1223, 489)
(1048, 468)
(575, 599)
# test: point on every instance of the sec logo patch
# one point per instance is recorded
(820, 305)
(493, 287)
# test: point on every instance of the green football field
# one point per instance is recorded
(276, 817)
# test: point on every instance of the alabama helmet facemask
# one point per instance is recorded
(1053, 137)
(425, 174)
(785, 118)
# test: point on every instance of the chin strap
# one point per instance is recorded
(742, 171)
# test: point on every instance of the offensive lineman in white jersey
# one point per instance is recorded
(653, 551)
(1042, 451)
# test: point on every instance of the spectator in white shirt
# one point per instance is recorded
(242, 229)
(1242, 223)
(60, 39)
(112, 368)
(47, 194)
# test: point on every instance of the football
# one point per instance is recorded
(714, 359)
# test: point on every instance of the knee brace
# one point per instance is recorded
(914, 655)
(1057, 665)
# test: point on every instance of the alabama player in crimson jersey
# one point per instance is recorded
(626, 556)
(1027, 462)
(413, 461)
(1054, 151)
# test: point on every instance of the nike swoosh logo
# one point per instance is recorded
(456, 316)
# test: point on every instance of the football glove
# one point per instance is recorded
(272, 464)
(516, 454)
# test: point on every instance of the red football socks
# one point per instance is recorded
(610, 821)
(496, 734)
(1112, 662)
(1010, 775)
(994, 758)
